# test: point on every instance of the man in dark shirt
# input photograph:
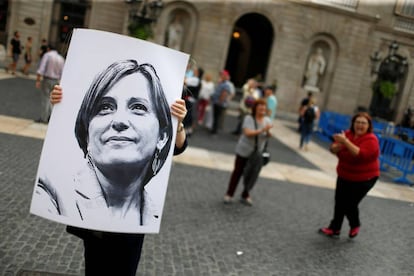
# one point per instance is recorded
(15, 51)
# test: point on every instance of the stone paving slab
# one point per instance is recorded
(40, 273)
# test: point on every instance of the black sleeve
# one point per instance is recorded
(178, 151)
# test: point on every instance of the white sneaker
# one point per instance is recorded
(227, 199)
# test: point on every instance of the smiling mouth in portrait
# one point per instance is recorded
(119, 140)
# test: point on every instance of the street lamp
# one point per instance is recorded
(142, 14)
(389, 73)
(375, 61)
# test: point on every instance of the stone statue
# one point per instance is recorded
(175, 34)
(314, 70)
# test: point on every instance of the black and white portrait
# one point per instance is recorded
(107, 154)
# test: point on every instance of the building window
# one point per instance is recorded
(347, 4)
(405, 8)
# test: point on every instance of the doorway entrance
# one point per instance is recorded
(4, 9)
(68, 14)
(249, 49)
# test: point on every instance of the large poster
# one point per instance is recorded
(107, 154)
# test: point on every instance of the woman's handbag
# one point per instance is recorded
(265, 152)
(265, 155)
(254, 164)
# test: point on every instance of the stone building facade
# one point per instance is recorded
(273, 40)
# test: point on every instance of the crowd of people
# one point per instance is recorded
(15, 50)
(207, 101)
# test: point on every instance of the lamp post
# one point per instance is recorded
(389, 73)
(142, 14)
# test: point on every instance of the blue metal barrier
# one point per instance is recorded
(397, 154)
(405, 131)
(331, 123)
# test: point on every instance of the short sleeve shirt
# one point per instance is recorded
(16, 46)
(245, 145)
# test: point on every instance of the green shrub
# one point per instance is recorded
(386, 88)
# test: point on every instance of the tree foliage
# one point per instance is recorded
(140, 30)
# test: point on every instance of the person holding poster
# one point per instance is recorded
(108, 181)
(109, 253)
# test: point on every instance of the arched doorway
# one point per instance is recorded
(4, 8)
(249, 49)
(67, 15)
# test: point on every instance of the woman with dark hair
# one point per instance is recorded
(125, 135)
(358, 170)
(256, 129)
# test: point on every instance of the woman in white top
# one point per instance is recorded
(207, 89)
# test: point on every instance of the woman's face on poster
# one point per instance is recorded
(126, 128)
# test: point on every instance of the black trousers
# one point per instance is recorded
(218, 112)
(112, 253)
(348, 195)
(239, 165)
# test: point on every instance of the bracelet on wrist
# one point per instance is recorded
(180, 127)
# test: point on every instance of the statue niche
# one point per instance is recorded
(314, 71)
(175, 33)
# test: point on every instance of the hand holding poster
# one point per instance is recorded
(107, 155)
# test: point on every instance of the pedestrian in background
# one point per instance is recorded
(48, 75)
(220, 100)
(251, 93)
(358, 171)
(303, 102)
(309, 113)
(27, 55)
(193, 84)
(271, 101)
(256, 130)
(206, 90)
(43, 48)
(15, 50)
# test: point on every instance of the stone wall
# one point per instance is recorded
(351, 35)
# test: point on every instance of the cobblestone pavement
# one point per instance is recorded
(199, 234)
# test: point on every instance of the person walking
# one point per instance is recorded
(309, 114)
(303, 102)
(358, 171)
(15, 49)
(220, 99)
(256, 130)
(27, 55)
(206, 90)
(48, 75)
(271, 101)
